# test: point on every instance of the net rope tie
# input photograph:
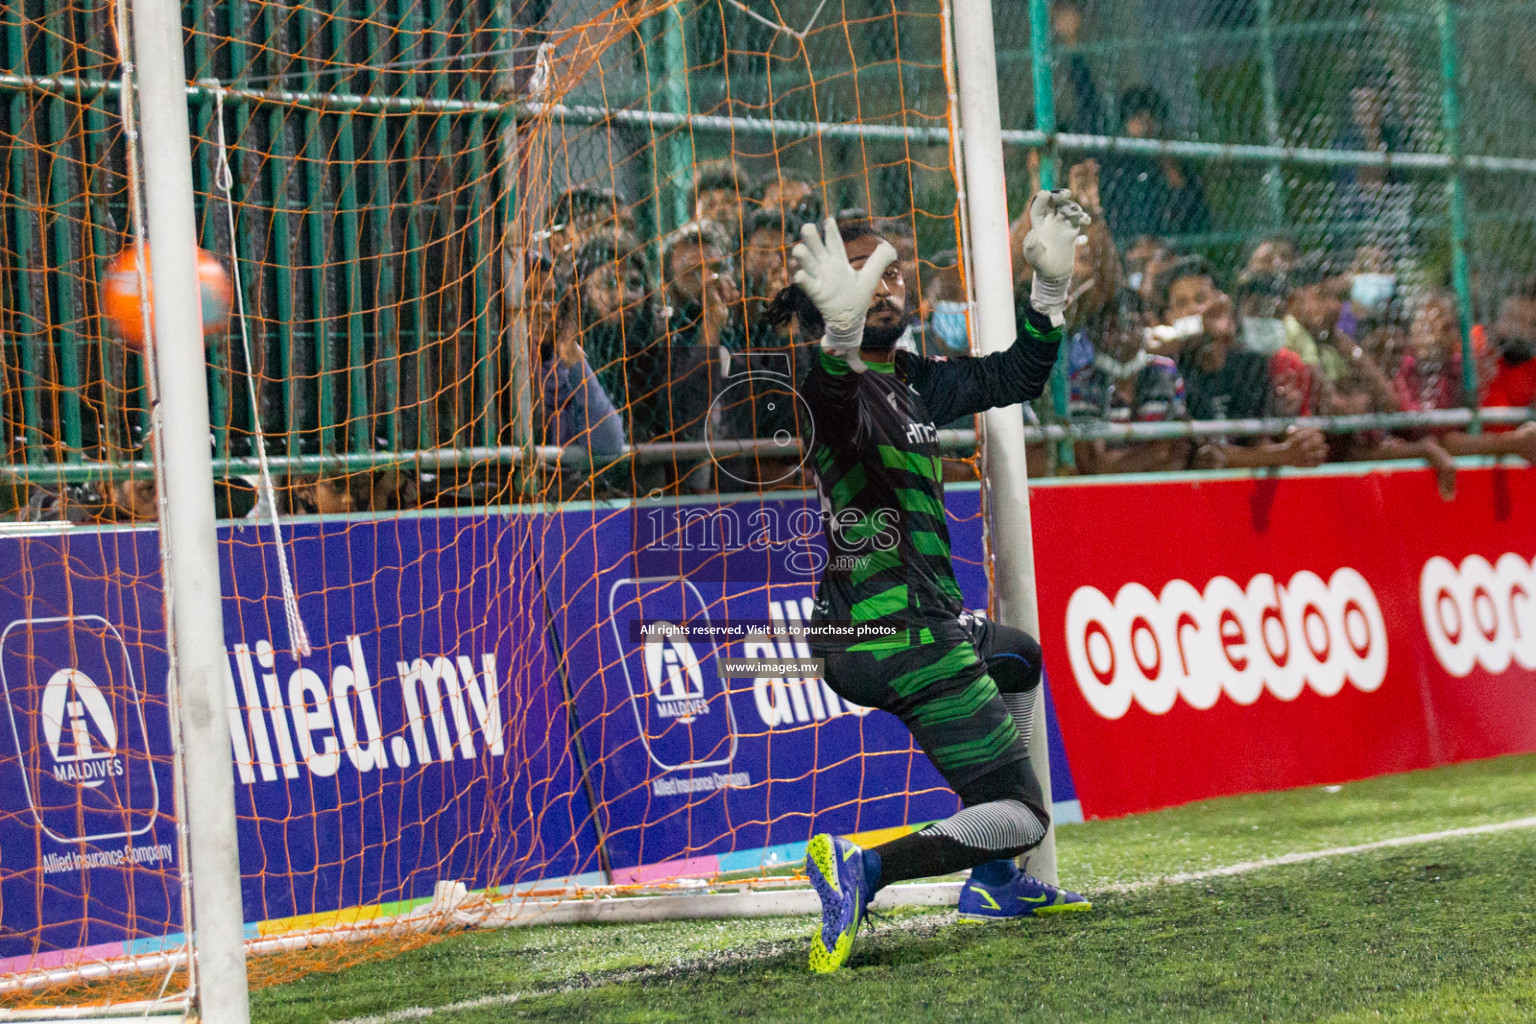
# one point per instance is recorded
(225, 180)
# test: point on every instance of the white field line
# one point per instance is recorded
(926, 898)
(422, 1012)
(1246, 866)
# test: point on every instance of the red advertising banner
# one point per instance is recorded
(1206, 638)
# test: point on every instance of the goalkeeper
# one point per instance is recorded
(966, 687)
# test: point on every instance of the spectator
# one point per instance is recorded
(320, 494)
(1120, 381)
(1351, 375)
(722, 193)
(770, 235)
(1145, 259)
(579, 213)
(1370, 288)
(78, 503)
(574, 411)
(613, 314)
(1363, 387)
(390, 489)
(233, 497)
(1319, 328)
(1223, 380)
(1293, 384)
(577, 411)
(1260, 305)
(1514, 340)
(1097, 274)
(675, 379)
(1428, 376)
(1375, 203)
(1261, 300)
(1150, 195)
(1373, 126)
(704, 302)
(1078, 106)
(1311, 317)
(795, 195)
(947, 332)
(778, 344)
(1276, 255)
(763, 405)
(132, 500)
(1184, 289)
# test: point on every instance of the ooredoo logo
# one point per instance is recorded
(1155, 648)
(1479, 613)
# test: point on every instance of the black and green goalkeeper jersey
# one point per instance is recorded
(874, 449)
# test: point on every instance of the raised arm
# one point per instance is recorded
(1018, 374)
(964, 387)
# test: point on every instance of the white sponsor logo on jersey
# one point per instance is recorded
(921, 433)
(1480, 613)
(1155, 648)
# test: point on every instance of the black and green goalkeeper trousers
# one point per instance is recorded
(967, 692)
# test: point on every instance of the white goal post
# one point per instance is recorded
(195, 613)
(1007, 480)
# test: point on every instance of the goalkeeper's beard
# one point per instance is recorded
(883, 337)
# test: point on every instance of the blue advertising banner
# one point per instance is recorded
(694, 772)
(478, 706)
(87, 839)
(420, 741)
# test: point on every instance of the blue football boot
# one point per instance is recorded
(1023, 896)
(836, 869)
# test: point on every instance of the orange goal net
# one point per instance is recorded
(507, 377)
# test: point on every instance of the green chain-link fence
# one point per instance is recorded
(369, 172)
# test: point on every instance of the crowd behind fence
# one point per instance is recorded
(1312, 240)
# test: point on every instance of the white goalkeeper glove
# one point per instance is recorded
(841, 293)
(1055, 219)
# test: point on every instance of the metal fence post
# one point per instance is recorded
(1274, 187)
(1456, 189)
(679, 141)
(1042, 64)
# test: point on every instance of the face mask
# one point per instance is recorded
(1370, 292)
(1263, 334)
(948, 322)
